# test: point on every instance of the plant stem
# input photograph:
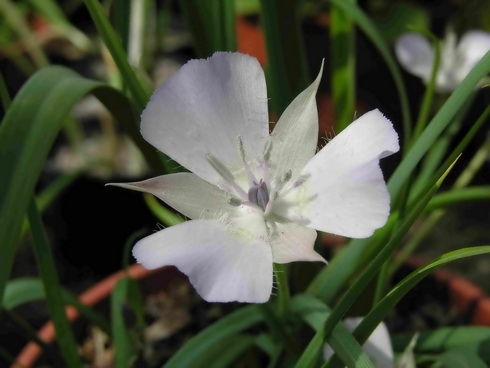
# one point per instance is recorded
(284, 296)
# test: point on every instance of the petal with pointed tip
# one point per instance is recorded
(202, 109)
(295, 136)
(186, 193)
(415, 54)
(224, 263)
(342, 190)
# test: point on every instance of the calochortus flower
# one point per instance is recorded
(416, 55)
(254, 198)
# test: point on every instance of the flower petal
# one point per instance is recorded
(292, 242)
(294, 138)
(415, 54)
(204, 107)
(471, 48)
(223, 262)
(186, 193)
(342, 190)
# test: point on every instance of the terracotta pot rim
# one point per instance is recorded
(464, 294)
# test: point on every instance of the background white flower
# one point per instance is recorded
(254, 199)
(377, 347)
(416, 55)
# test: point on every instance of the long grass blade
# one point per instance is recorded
(54, 298)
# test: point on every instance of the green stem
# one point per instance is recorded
(284, 296)
(165, 215)
(54, 297)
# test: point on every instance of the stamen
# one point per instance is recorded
(279, 185)
(220, 168)
(248, 170)
(225, 174)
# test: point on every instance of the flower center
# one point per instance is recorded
(259, 194)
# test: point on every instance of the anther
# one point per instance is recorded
(286, 176)
(233, 201)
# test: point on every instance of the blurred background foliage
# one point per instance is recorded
(114, 53)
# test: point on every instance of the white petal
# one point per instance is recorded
(223, 262)
(292, 242)
(415, 54)
(294, 138)
(342, 190)
(204, 107)
(378, 346)
(471, 48)
(186, 193)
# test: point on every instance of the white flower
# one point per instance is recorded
(416, 55)
(254, 199)
(377, 347)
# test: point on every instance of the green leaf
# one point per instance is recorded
(448, 338)
(342, 43)
(381, 310)
(234, 347)
(287, 70)
(398, 16)
(124, 347)
(460, 358)
(54, 299)
(212, 25)
(192, 353)
(26, 135)
(21, 291)
(457, 196)
(314, 312)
